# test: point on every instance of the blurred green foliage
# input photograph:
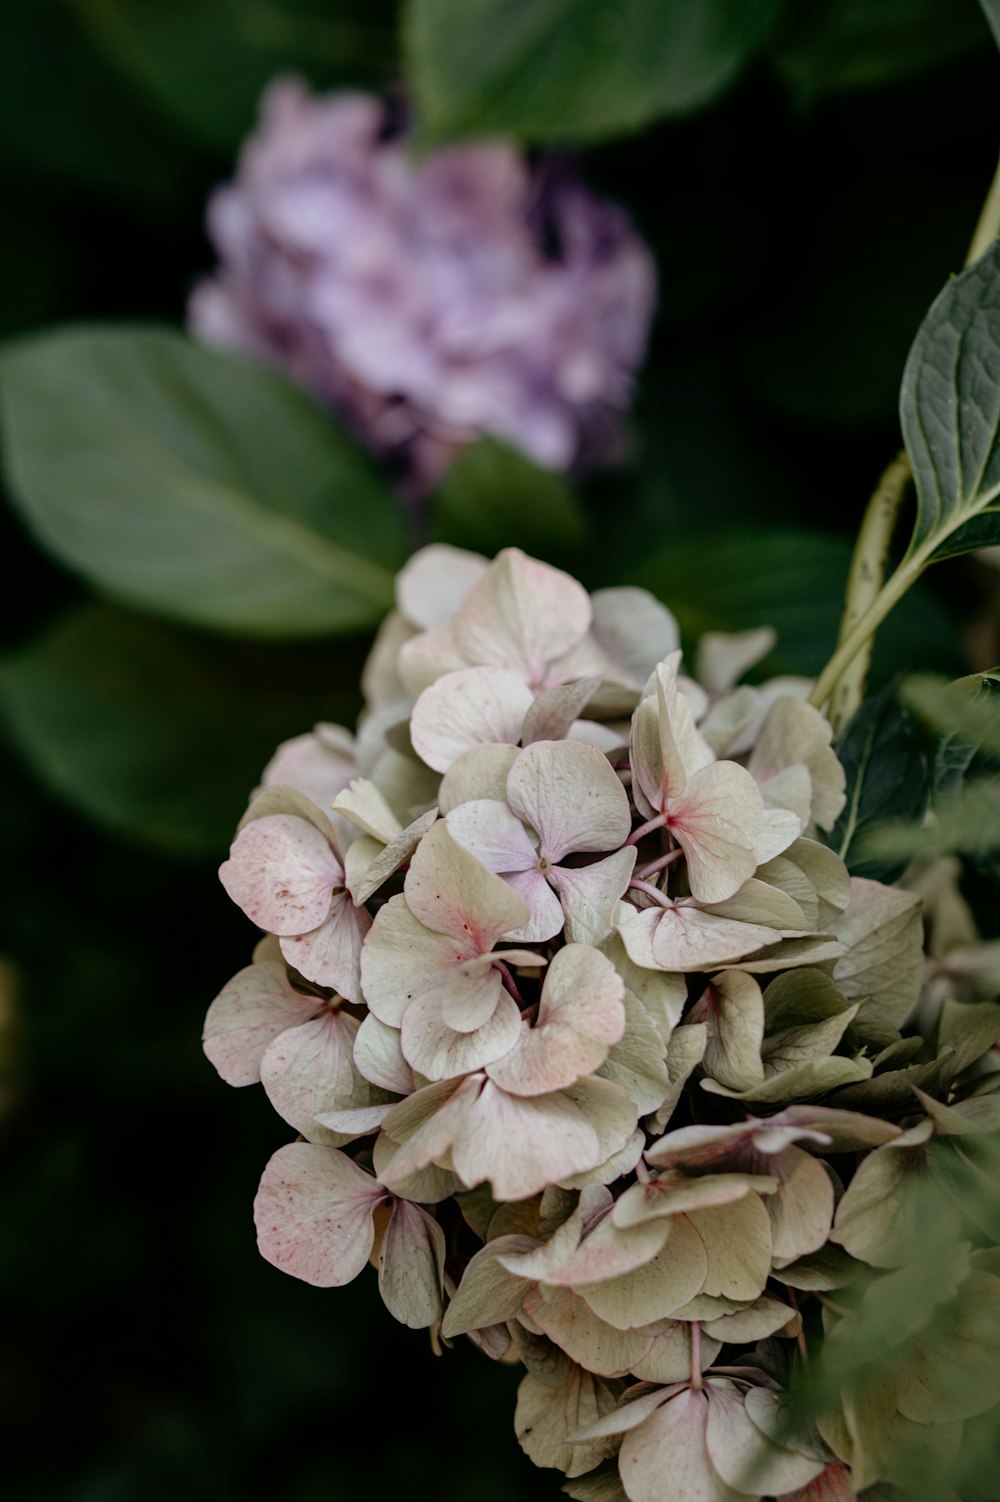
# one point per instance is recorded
(806, 182)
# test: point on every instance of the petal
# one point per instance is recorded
(579, 1016)
(331, 954)
(654, 1291)
(666, 747)
(522, 615)
(555, 711)
(431, 586)
(546, 1415)
(724, 656)
(282, 873)
(317, 765)
(802, 1211)
(387, 861)
(402, 960)
(378, 1055)
(607, 1252)
(313, 1214)
(427, 657)
(732, 1008)
(682, 938)
(411, 1266)
(480, 772)
(248, 1013)
(634, 632)
(665, 1459)
(466, 708)
(440, 1052)
(494, 835)
(737, 1240)
(568, 793)
(546, 913)
(599, 1347)
(365, 806)
(717, 820)
(488, 1294)
(795, 733)
(310, 1069)
(780, 829)
(470, 998)
(451, 892)
(743, 1456)
(590, 894)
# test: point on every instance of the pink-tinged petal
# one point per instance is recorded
(522, 615)
(365, 806)
(387, 861)
(633, 631)
(575, 1329)
(360, 1121)
(309, 1069)
(630, 1415)
(579, 1017)
(741, 1454)
(724, 656)
(801, 1212)
(568, 793)
(678, 751)
(590, 894)
(331, 954)
(247, 1015)
(427, 657)
(688, 939)
(401, 960)
(428, 1186)
(666, 1460)
(780, 829)
(546, 914)
(644, 758)
(654, 1291)
(470, 998)
(607, 1252)
(494, 836)
(488, 1293)
(737, 1240)
(378, 1057)
(470, 707)
(440, 1052)
(521, 1145)
(435, 581)
(289, 801)
(317, 764)
(554, 712)
(716, 820)
(313, 1214)
(832, 1485)
(425, 1125)
(411, 1266)
(479, 773)
(451, 892)
(282, 873)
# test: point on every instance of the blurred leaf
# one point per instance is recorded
(991, 10)
(205, 62)
(558, 69)
(492, 497)
(967, 711)
(887, 779)
(735, 579)
(828, 45)
(63, 109)
(195, 485)
(950, 412)
(156, 733)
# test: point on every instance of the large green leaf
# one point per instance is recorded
(791, 580)
(493, 497)
(887, 780)
(205, 62)
(157, 733)
(195, 485)
(991, 10)
(950, 412)
(557, 69)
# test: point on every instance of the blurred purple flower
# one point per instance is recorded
(427, 300)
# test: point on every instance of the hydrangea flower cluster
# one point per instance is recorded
(592, 1045)
(428, 300)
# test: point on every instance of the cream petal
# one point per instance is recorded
(401, 960)
(671, 1355)
(488, 1294)
(545, 1415)
(465, 708)
(380, 680)
(717, 819)
(378, 1054)
(313, 1214)
(724, 656)
(440, 1052)
(494, 835)
(732, 1008)
(282, 872)
(425, 658)
(547, 917)
(432, 584)
(331, 954)
(680, 1193)
(554, 711)
(737, 1240)
(743, 1456)
(411, 1266)
(884, 965)
(522, 614)
(606, 1252)
(665, 1459)
(779, 829)
(480, 772)
(575, 1329)
(365, 806)
(634, 632)
(470, 998)
(387, 861)
(247, 1015)
(682, 938)
(317, 765)
(795, 733)
(428, 1186)
(665, 1283)
(802, 1211)
(568, 793)
(580, 1016)
(451, 892)
(310, 1069)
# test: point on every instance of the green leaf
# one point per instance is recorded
(195, 485)
(991, 10)
(792, 580)
(205, 62)
(558, 69)
(833, 45)
(159, 734)
(887, 781)
(492, 497)
(950, 413)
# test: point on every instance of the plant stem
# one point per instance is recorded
(871, 553)
(657, 822)
(892, 592)
(988, 227)
(696, 1354)
(650, 891)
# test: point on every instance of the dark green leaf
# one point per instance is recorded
(991, 10)
(205, 62)
(792, 580)
(160, 734)
(828, 45)
(950, 413)
(493, 497)
(557, 69)
(887, 780)
(196, 485)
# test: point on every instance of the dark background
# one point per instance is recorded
(801, 225)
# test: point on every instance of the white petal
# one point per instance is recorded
(451, 892)
(426, 658)
(331, 954)
(309, 1069)
(313, 1213)
(742, 1455)
(282, 873)
(319, 766)
(379, 1056)
(480, 772)
(440, 1052)
(780, 829)
(431, 586)
(466, 708)
(634, 632)
(411, 1266)
(717, 820)
(568, 793)
(590, 894)
(654, 1291)
(494, 835)
(401, 960)
(724, 656)
(555, 711)
(522, 615)
(248, 1013)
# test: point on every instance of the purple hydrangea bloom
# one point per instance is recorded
(427, 300)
